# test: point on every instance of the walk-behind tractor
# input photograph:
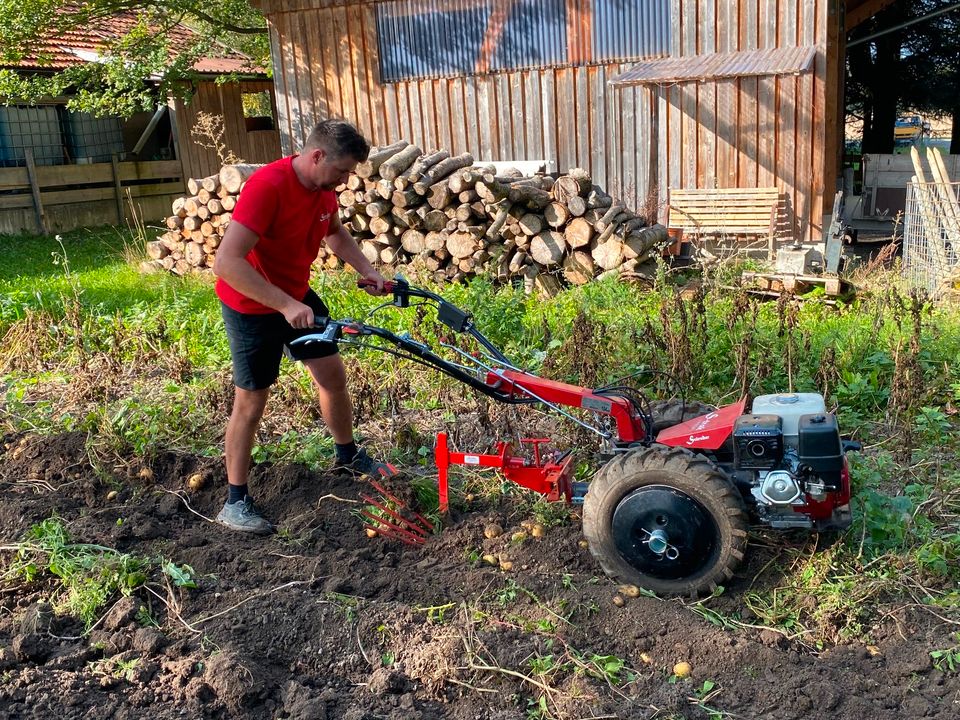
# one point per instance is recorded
(669, 509)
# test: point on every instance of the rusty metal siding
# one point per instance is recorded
(419, 39)
(628, 30)
(716, 66)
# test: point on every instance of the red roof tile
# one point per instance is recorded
(78, 46)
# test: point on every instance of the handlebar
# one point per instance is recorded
(488, 378)
(458, 320)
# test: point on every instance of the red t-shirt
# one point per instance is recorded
(291, 221)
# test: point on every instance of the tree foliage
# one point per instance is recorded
(143, 57)
(916, 68)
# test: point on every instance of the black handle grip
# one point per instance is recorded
(320, 322)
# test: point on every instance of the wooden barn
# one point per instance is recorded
(648, 95)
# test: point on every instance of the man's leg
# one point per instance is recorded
(248, 406)
(330, 377)
(238, 511)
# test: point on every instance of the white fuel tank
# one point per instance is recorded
(789, 406)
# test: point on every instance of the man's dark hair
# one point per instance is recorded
(339, 138)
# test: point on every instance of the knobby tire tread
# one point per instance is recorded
(693, 475)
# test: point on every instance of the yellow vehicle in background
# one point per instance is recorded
(910, 131)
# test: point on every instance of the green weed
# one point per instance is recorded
(89, 574)
(607, 667)
(436, 614)
(115, 667)
(947, 660)
(348, 604)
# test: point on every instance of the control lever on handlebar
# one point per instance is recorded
(327, 332)
(398, 286)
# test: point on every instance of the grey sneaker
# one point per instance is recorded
(363, 464)
(243, 516)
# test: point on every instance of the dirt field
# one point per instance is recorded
(323, 622)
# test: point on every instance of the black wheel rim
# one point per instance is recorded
(664, 533)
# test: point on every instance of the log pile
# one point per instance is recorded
(198, 222)
(457, 219)
(446, 215)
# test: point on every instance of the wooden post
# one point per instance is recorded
(35, 190)
(117, 189)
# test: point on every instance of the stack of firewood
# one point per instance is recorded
(198, 222)
(444, 214)
(457, 219)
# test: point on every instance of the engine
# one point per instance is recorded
(788, 457)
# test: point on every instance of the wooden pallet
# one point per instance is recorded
(727, 212)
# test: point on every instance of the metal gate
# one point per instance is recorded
(931, 236)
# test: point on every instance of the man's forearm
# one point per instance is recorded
(241, 276)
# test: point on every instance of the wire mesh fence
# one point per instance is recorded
(931, 236)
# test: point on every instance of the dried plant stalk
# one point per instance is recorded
(208, 132)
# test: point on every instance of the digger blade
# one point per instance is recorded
(426, 524)
(389, 529)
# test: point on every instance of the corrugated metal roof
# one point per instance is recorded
(449, 38)
(78, 46)
(777, 61)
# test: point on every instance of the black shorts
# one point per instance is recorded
(257, 342)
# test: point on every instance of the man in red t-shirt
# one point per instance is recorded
(286, 211)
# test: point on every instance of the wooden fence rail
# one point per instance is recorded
(63, 197)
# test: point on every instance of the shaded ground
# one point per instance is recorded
(323, 622)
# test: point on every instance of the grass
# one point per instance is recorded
(140, 363)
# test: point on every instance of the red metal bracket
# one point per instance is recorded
(550, 478)
(630, 426)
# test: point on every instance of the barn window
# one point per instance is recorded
(438, 38)
(258, 110)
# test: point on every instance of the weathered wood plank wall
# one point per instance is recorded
(751, 132)
(636, 141)
(326, 64)
(73, 196)
(256, 146)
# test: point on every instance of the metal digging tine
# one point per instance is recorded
(425, 523)
(384, 531)
(392, 530)
(396, 516)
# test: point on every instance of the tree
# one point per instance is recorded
(932, 84)
(141, 59)
(871, 68)
(916, 68)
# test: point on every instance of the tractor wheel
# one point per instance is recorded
(667, 413)
(665, 519)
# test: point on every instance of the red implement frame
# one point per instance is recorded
(552, 479)
(629, 424)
